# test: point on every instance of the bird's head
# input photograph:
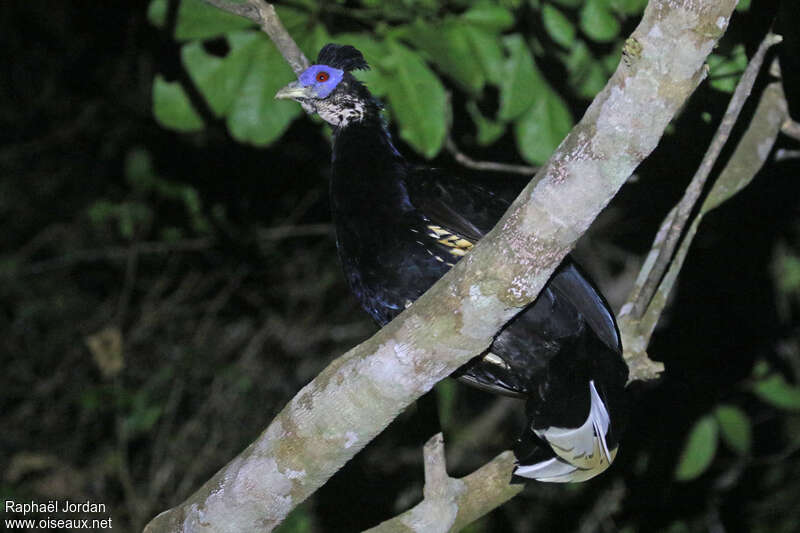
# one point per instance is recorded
(329, 89)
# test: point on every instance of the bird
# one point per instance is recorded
(401, 226)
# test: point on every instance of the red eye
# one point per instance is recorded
(323, 76)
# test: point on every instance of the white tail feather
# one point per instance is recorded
(545, 470)
(582, 452)
(600, 419)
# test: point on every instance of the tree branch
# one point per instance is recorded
(672, 228)
(265, 16)
(750, 155)
(786, 155)
(491, 166)
(640, 314)
(358, 394)
(449, 504)
(791, 128)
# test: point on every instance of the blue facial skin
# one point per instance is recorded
(321, 88)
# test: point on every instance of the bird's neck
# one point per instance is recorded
(368, 171)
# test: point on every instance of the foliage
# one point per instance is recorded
(135, 215)
(475, 49)
(699, 450)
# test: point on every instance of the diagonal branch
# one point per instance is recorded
(360, 393)
(750, 155)
(638, 317)
(672, 228)
(263, 14)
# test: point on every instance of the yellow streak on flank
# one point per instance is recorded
(459, 245)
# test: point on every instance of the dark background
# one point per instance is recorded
(222, 320)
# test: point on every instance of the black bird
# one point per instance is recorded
(400, 227)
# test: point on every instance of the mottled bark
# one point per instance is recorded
(360, 393)
(450, 504)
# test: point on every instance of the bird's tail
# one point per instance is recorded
(564, 454)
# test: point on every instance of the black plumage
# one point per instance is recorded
(400, 227)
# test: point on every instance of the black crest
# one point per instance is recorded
(343, 57)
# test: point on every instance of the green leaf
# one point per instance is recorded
(311, 39)
(569, 3)
(492, 17)
(138, 169)
(522, 82)
(735, 428)
(448, 47)
(172, 107)
(300, 520)
(418, 101)
(597, 22)
(761, 369)
(724, 71)
(699, 450)
(157, 13)
(377, 78)
(591, 83)
(488, 130)
(296, 23)
(220, 79)
(559, 27)
(678, 527)
(487, 48)
(743, 5)
(374, 51)
(775, 391)
(611, 60)
(785, 270)
(578, 59)
(628, 7)
(587, 76)
(542, 128)
(199, 20)
(255, 116)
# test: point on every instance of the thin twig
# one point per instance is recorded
(275, 233)
(265, 16)
(491, 166)
(747, 159)
(677, 221)
(131, 268)
(114, 253)
(786, 155)
(791, 128)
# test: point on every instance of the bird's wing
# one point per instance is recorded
(571, 283)
(468, 210)
(465, 207)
